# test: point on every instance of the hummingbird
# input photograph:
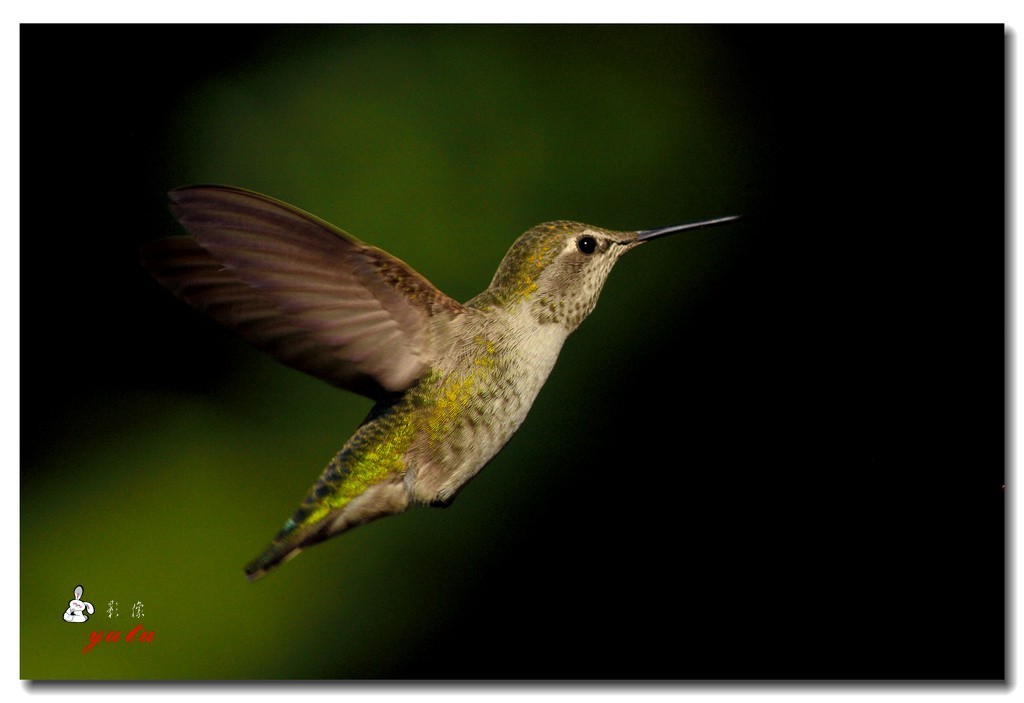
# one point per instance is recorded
(451, 382)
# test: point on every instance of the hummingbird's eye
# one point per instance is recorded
(586, 244)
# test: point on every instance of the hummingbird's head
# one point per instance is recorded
(559, 268)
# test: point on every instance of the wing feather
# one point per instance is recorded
(297, 287)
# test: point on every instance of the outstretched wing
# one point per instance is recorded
(297, 287)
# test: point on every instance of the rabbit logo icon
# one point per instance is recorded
(77, 607)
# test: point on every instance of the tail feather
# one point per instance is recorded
(291, 540)
(273, 556)
(311, 525)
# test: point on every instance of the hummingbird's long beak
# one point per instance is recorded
(645, 235)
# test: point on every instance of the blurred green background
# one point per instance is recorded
(662, 513)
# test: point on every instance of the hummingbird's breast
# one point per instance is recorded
(475, 398)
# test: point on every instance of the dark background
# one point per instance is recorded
(775, 453)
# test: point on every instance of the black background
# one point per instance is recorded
(845, 433)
